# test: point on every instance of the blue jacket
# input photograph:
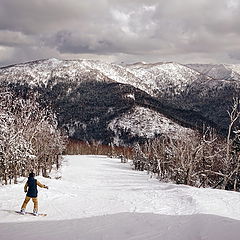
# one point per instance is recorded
(31, 187)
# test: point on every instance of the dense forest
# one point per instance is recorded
(85, 109)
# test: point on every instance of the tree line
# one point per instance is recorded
(202, 159)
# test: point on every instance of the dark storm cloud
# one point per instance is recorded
(153, 30)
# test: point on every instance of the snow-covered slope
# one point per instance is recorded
(147, 123)
(41, 71)
(218, 71)
(183, 91)
(164, 78)
(156, 79)
(101, 198)
(151, 78)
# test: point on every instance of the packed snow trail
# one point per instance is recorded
(99, 197)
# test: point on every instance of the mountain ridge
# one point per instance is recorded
(187, 94)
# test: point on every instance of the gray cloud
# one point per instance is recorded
(13, 39)
(120, 30)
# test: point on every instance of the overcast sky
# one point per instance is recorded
(186, 31)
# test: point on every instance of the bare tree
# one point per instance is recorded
(234, 115)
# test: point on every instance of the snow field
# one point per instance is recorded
(101, 198)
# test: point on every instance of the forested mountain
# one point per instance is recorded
(123, 104)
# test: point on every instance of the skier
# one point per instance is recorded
(31, 189)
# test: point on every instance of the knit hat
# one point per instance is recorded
(31, 174)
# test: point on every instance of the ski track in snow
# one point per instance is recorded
(99, 198)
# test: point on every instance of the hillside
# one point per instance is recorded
(91, 96)
(168, 79)
(146, 123)
(218, 71)
(101, 198)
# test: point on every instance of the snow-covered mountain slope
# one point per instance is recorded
(151, 78)
(165, 78)
(101, 198)
(41, 71)
(146, 123)
(184, 91)
(155, 78)
(218, 71)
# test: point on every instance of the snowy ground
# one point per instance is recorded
(101, 198)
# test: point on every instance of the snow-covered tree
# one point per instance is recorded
(29, 138)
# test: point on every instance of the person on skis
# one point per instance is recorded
(31, 189)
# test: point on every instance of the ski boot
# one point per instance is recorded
(23, 211)
(35, 212)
